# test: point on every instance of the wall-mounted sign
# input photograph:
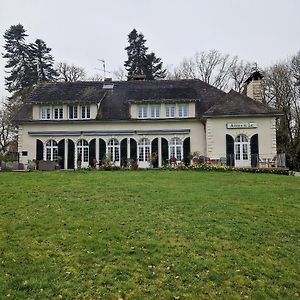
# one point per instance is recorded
(241, 125)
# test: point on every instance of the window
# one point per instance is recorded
(175, 149)
(58, 113)
(85, 112)
(73, 112)
(144, 146)
(83, 151)
(170, 111)
(51, 150)
(46, 113)
(241, 147)
(142, 111)
(183, 110)
(155, 111)
(113, 149)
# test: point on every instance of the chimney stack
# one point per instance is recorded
(253, 86)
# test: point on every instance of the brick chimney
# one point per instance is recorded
(253, 86)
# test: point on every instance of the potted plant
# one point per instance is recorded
(152, 159)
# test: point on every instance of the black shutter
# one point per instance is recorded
(92, 151)
(154, 149)
(186, 150)
(39, 150)
(254, 150)
(164, 150)
(71, 153)
(229, 150)
(61, 153)
(102, 150)
(133, 149)
(124, 153)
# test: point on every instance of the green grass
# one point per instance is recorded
(149, 235)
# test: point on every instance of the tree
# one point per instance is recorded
(139, 62)
(153, 67)
(70, 73)
(239, 73)
(20, 65)
(136, 52)
(43, 60)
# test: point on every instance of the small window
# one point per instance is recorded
(170, 111)
(183, 110)
(46, 113)
(85, 112)
(142, 112)
(155, 111)
(73, 112)
(24, 153)
(58, 113)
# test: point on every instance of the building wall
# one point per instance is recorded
(27, 142)
(216, 131)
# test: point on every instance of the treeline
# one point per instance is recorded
(29, 64)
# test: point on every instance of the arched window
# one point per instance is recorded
(51, 150)
(113, 149)
(241, 147)
(144, 148)
(83, 151)
(175, 149)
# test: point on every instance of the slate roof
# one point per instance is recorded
(114, 103)
(238, 104)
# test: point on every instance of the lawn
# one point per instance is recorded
(149, 235)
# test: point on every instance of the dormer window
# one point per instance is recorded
(155, 110)
(183, 110)
(73, 112)
(58, 113)
(85, 112)
(142, 113)
(170, 111)
(46, 113)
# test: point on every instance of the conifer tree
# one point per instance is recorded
(40, 54)
(136, 52)
(153, 67)
(21, 68)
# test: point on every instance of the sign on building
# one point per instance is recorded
(241, 125)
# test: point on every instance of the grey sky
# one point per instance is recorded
(80, 32)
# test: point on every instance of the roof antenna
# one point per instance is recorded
(103, 65)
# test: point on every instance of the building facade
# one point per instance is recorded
(82, 123)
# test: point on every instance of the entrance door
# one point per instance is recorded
(241, 151)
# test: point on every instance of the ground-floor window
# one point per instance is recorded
(113, 149)
(51, 150)
(83, 151)
(144, 149)
(241, 147)
(175, 149)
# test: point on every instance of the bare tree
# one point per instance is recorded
(95, 77)
(239, 72)
(70, 73)
(120, 74)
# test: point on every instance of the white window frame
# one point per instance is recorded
(73, 109)
(183, 110)
(142, 111)
(60, 113)
(170, 111)
(144, 149)
(83, 150)
(51, 150)
(176, 149)
(46, 113)
(113, 149)
(85, 112)
(155, 111)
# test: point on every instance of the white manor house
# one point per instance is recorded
(130, 120)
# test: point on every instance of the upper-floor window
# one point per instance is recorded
(142, 113)
(170, 111)
(155, 111)
(73, 112)
(183, 110)
(45, 113)
(85, 112)
(58, 113)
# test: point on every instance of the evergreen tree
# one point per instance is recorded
(40, 54)
(139, 62)
(136, 52)
(20, 64)
(153, 67)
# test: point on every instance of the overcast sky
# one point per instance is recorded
(81, 32)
